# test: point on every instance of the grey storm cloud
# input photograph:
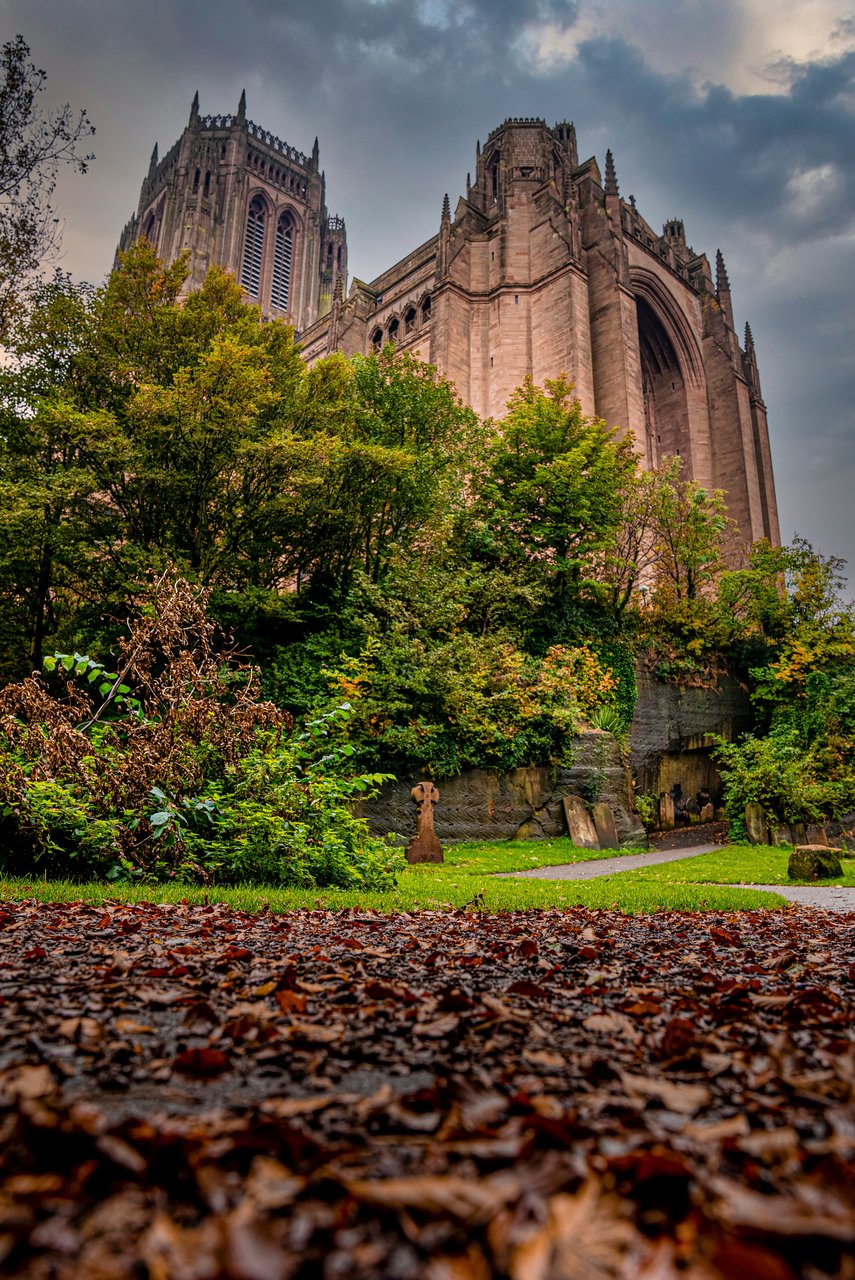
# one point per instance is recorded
(399, 90)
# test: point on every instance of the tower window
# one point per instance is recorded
(393, 330)
(253, 249)
(410, 320)
(283, 255)
(195, 182)
(207, 190)
(426, 310)
(377, 339)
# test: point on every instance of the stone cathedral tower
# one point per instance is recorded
(231, 193)
(542, 269)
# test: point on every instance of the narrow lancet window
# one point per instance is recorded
(282, 259)
(253, 250)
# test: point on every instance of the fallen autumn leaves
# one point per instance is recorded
(189, 1093)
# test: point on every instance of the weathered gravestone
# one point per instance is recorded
(604, 821)
(755, 823)
(814, 862)
(666, 811)
(707, 813)
(581, 829)
(425, 846)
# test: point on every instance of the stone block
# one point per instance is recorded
(816, 835)
(814, 862)
(580, 826)
(707, 813)
(666, 811)
(781, 835)
(755, 823)
(605, 823)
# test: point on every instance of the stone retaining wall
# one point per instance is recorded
(482, 804)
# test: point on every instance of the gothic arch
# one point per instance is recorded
(671, 370)
(256, 242)
(648, 287)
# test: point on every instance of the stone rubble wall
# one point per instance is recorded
(526, 803)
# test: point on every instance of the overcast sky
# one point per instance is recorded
(735, 115)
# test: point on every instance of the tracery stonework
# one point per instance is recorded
(542, 269)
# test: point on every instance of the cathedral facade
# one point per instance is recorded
(541, 269)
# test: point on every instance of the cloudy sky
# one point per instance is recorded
(736, 115)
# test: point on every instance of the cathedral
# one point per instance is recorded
(542, 268)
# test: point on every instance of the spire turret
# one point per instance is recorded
(315, 156)
(241, 111)
(722, 288)
(446, 209)
(611, 187)
(194, 108)
(152, 164)
(749, 339)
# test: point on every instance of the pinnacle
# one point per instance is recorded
(721, 280)
(338, 289)
(242, 106)
(194, 106)
(611, 187)
(749, 337)
(446, 208)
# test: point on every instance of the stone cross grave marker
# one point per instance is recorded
(425, 846)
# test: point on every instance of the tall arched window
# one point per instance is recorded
(253, 249)
(282, 259)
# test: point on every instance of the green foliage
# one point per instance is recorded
(171, 766)
(791, 782)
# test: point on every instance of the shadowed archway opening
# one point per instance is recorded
(666, 409)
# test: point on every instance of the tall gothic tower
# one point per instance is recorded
(231, 193)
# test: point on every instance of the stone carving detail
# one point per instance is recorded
(425, 846)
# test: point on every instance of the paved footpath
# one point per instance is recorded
(605, 866)
(833, 897)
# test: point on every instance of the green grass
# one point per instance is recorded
(468, 870)
(733, 865)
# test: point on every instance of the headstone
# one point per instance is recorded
(707, 813)
(781, 834)
(425, 846)
(755, 823)
(814, 862)
(605, 823)
(580, 828)
(693, 812)
(816, 835)
(666, 811)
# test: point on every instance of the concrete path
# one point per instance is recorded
(832, 897)
(606, 866)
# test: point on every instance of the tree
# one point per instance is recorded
(34, 145)
(551, 493)
(690, 530)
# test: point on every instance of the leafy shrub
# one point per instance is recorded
(468, 701)
(171, 766)
(793, 783)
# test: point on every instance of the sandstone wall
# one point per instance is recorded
(482, 804)
(671, 736)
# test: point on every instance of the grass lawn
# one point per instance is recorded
(467, 871)
(732, 864)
